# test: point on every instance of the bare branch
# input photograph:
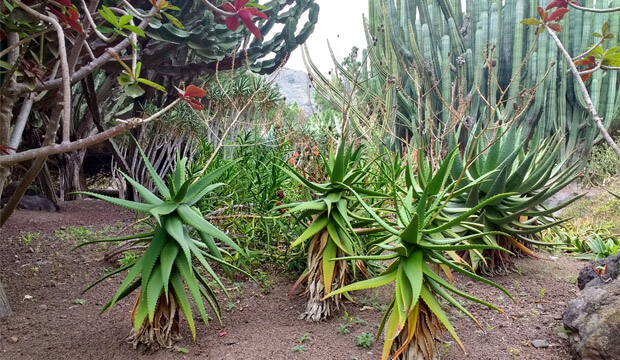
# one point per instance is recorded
(64, 64)
(582, 86)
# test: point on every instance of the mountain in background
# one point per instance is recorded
(295, 87)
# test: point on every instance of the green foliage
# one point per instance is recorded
(529, 176)
(29, 237)
(174, 259)
(365, 340)
(585, 240)
(420, 241)
(603, 166)
(332, 225)
(349, 322)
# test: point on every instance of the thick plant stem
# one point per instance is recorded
(586, 95)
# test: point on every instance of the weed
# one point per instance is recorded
(34, 269)
(344, 328)
(79, 301)
(129, 257)
(514, 352)
(230, 306)
(263, 279)
(300, 348)
(349, 321)
(74, 233)
(372, 300)
(541, 293)
(305, 337)
(365, 340)
(27, 238)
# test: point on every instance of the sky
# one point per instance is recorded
(340, 22)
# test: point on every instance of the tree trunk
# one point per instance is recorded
(5, 308)
(72, 174)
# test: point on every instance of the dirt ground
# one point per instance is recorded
(53, 320)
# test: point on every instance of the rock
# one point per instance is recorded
(13, 339)
(43, 307)
(588, 277)
(540, 344)
(594, 320)
(37, 203)
(30, 201)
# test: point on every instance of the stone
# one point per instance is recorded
(540, 344)
(594, 321)
(588, 277)
(14, 339)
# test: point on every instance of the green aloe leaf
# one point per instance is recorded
(316, 226)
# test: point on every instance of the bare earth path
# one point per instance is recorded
(53, 320)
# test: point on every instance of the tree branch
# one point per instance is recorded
(582, 86)
(64, 64)
(82, 143)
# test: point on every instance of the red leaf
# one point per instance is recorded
(2, 34)
(558, 14)
(256, 12)
(586, 77)
(194, 91)
(541, 13)
(195, 104)
(240, 4)
(555, 27)
(232, 23)
(556, 3)
(228, 7)
(587, 61)
(253, 29)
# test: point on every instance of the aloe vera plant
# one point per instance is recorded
(174, 260)
(332, 229)
(421, 245)
(531, 174)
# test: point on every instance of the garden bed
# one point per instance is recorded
(53, 320)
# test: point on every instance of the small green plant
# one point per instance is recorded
(74, 233)
(128, 258)
(300, 348)
(344, 328)
(305, 337)
(541, 293)
(79, 301)
(365, 340)
(263, 279)
(514, 352)
(372, 300)
(230, 306)
(349, 321)
(27, 238)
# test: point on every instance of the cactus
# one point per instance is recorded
(210, 42)
(490, 42)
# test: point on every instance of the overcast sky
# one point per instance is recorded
(340, 22)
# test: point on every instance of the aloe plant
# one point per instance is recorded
(531, 174)
(421, 245)
(174, 260)
(332, 229)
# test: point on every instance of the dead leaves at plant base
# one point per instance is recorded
(163, 331)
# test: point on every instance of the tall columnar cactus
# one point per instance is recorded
(435, 64)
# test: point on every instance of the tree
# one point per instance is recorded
(49, 47)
